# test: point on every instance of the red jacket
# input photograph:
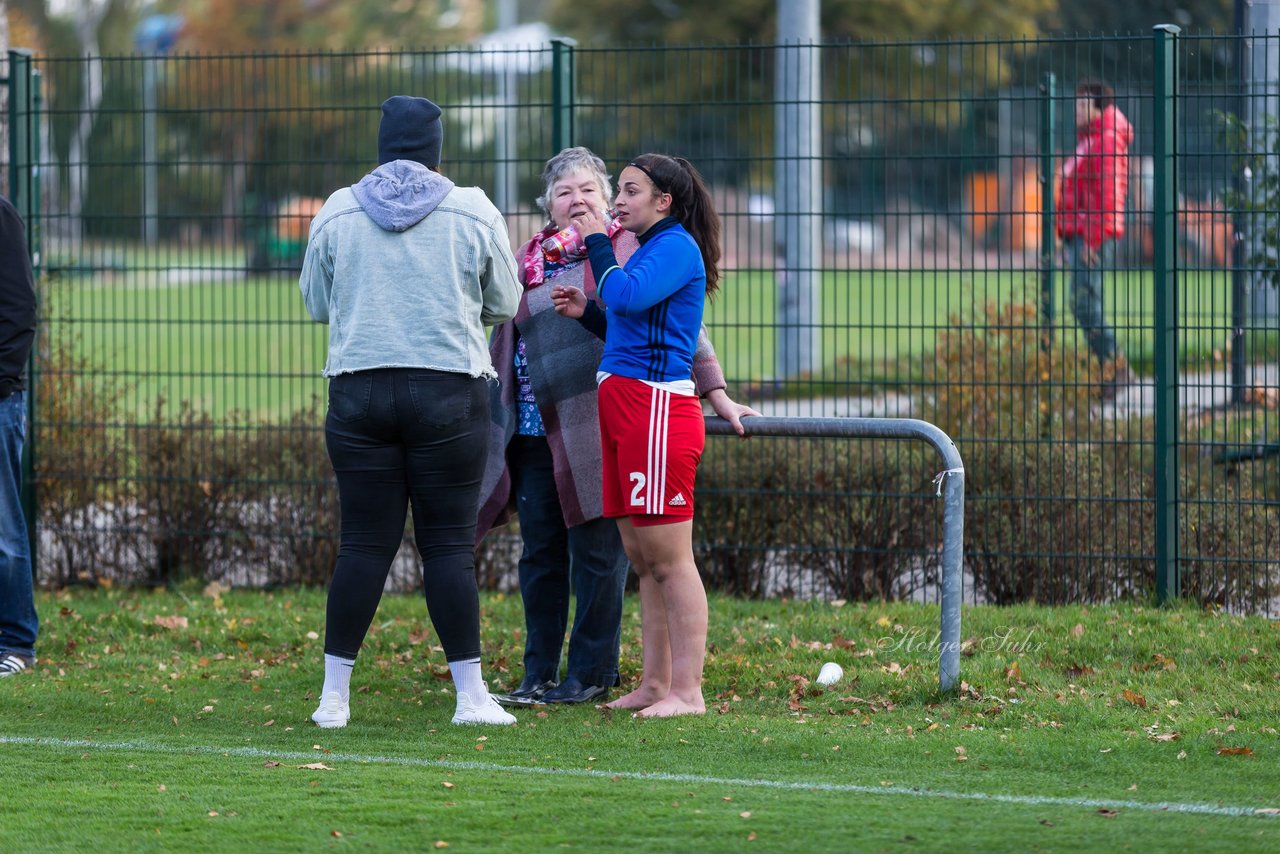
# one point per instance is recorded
(1095, 182)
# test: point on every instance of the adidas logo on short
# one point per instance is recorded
(678, 501)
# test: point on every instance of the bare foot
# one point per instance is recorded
(640, 698)
(670, 706)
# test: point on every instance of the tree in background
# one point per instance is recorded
(86, 28)
(244, 26)
(743, 21)
(1095, 16)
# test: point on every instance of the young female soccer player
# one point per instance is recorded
(651, 423)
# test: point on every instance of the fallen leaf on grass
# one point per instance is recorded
(1166, 736)
(1235, 751)
(1135, 698)
(440, 843)
(447, 784)
(1077, 630)
(1106, 813)
(315, 766)
(171, 622)
(271, 763)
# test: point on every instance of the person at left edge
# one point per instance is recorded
(408, 270)
(18, 621)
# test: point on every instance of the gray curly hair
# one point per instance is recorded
(567, 162)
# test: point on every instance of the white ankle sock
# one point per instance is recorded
(467, 679)
(337, 676)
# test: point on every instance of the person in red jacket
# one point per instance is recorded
(1092, 188)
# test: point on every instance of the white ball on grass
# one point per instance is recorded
(830, 674)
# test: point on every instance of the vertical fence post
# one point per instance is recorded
(797, 191)
(21, 135)
(1164, 148)
(1048, 232)
(561, 94)
(1048, 227)
(1239, 257)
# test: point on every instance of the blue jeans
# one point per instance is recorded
(1087, 269)
(399, 437)
(18, 621)
(587, 559)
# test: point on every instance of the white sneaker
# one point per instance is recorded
(486, 711)
(333, 711)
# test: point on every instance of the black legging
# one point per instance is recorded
(396, 437)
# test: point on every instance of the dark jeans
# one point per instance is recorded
(18, 621)
(399, 437)
(587, 559)
(1087, 269)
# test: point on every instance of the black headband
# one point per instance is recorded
(652, 177)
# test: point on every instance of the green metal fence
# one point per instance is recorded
(178, 402)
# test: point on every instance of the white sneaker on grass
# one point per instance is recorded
(333, 711)
(11, 663)
(483, 710)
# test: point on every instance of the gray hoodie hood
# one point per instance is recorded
(399, 195)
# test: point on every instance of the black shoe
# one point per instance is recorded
(530, 693)
(571, 691)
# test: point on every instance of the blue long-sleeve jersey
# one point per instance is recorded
(654, 304)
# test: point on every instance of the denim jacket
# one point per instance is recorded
(407, 270)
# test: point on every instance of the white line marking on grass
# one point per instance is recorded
(657, 776)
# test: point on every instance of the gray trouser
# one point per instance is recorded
(1086, 294)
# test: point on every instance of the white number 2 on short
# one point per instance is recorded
(637, 500)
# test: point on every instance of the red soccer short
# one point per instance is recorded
(652, 441)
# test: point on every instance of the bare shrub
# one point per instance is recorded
(845, 518)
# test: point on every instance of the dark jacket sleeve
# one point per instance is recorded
(594, 320)
(17, 300)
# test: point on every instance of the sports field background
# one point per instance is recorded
(194, 331)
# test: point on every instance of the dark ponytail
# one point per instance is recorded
(691, 205)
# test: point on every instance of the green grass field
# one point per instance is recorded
(226, 343)
(166, 720)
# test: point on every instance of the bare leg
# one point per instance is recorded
(668, 556)
(655, 681)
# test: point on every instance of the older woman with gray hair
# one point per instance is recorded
(544, 451)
